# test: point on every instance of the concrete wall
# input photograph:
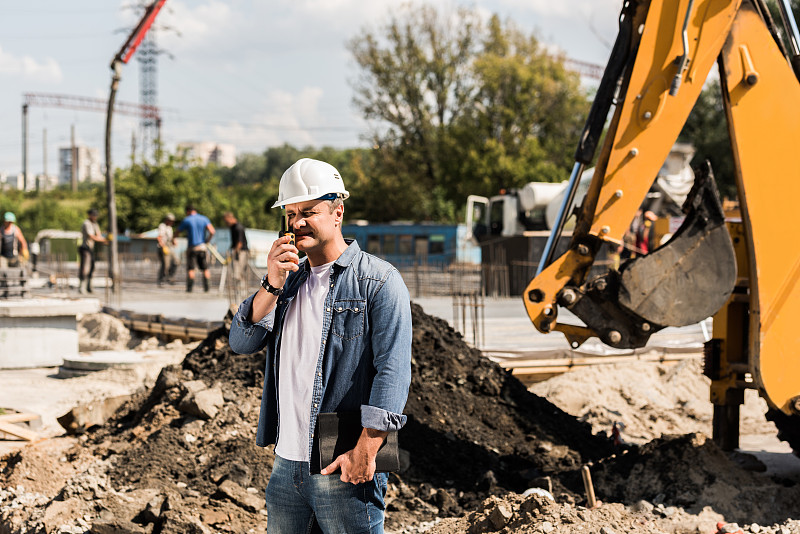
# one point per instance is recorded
(40, 332)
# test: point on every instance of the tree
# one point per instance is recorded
(461, 107)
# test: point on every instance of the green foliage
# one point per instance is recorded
(462, 108)
(707, 129)
(60, 209)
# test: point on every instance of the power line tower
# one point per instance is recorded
(148, 95)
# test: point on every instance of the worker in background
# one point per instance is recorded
(166, 250)
(90, 232)
(13, 244)
(337, 330)
(199, 232)
(239, 254)
(645, 234)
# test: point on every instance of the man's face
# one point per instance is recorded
(228, 220)
(313, 224)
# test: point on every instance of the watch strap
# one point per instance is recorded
(269, 288)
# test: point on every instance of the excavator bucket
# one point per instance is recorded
(691, 276)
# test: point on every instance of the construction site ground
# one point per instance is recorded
(478, 439)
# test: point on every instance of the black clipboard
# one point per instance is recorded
(337, 433)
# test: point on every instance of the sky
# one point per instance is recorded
(251, 73)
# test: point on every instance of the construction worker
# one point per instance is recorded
(199, 232)
(337, 330)
(90, 232)
(12, 242)
(239, 254)
(166, 254)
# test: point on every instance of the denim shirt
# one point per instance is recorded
(364, 360)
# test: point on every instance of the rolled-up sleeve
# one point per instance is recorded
(246, 337)
(390, 333)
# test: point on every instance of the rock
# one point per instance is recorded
(214, 517)
(534, 504)
(59, 512)
(116, 527)
(606, 530)
(238, 495)
(194, 386)
(547, 527)
(85, 416)
(500, 515)
(240, 473)
(445, 502)
(487, 481)
(642, 507)
(755, 528)
(204, 404)
(152, 512)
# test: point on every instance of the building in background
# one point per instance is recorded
(88, 165)
(206, 152)
(47, 182)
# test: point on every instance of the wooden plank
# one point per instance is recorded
(18, 417)
(18, 431)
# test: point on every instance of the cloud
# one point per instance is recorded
(29, 68)
(291, 118)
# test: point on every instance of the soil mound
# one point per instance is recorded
(690, 471)
(181, 457)
(183, 454)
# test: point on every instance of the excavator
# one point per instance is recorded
(744, 272)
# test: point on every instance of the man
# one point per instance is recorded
(239, 254)
(12, 242)
(199, 231)
(337, 330)
(166, 242)
(90, 231)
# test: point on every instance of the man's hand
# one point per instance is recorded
(358, 465)
(283, 258)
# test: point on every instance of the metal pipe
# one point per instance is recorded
(682, 61)
(113, 264)
(24, 147)
(561, 219)
(790, 24)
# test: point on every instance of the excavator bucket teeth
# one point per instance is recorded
(691, 276)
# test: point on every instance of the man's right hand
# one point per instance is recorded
(283, 258)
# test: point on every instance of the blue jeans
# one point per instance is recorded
(301, 503)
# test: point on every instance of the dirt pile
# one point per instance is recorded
(690, 471)
(649, 399)
(181, 457)
(175, 458)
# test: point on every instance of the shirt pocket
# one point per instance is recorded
(348, 318)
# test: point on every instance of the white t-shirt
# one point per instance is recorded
(300, 348)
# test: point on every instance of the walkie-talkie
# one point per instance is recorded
(285, 228)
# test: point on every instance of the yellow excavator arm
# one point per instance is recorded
(663, 55)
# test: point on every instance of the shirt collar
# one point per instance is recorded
(349, 254)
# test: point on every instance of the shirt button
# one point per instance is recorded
(319, 374)
(328, 309)
(315, 405)
(340, 308)
(356, 309)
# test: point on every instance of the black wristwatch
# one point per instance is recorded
(266, 285)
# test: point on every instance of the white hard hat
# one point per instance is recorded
(309, 179)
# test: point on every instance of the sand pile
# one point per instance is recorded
(649, 399)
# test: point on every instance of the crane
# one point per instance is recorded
(79, 103)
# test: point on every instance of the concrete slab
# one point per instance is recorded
(40, 332)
